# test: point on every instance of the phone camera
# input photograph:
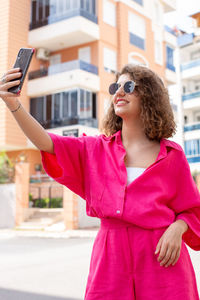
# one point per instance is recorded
(20, 53)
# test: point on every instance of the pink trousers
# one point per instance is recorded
(123, 266)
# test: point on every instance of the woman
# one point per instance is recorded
(137, 182)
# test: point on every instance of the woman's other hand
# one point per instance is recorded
(170, 244)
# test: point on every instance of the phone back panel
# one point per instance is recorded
(22, 61)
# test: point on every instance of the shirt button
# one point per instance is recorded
(118, 211)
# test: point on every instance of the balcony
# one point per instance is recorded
(190, 69)
(63, 29)
(170, 36)
(63, 76)
(169, 5)
(191, 100)
(89, 122)
(192, 126)
(192, 149)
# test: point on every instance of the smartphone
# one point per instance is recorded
(23, 60)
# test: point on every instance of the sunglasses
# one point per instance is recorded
(128, 87)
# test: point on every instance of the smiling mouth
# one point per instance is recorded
(121, 101)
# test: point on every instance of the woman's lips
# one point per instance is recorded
(121, 102)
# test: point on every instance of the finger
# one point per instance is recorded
(162, 252)
(13, 70)
(158, 247)
(167, 256)
(177, 257)
(13, 76)
(7, 78)
(11, 84)
(5, 94)
(172, 258)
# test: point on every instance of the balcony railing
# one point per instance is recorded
(170, 30)
(191, 96)
(63, 67)
(137, 41)
(65, 15)
(191, 64)
(170, 67)
(90, 122)
(190, 127)
(139, 1)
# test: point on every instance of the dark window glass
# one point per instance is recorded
(48, 107)
(65, 105)
(94, 113)
(41, 9)
(88, 105)
(81, 103)
(57, 106)
(34, 11)
(82, 4)
(74, 104)
(37, 108)
(47, 8)
(87, 5)
(93, 8)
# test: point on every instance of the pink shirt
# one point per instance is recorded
(93, 167)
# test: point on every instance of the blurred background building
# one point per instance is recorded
(189, 44)
(80, 44)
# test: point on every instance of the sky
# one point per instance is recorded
(180, 16)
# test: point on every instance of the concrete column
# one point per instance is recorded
(22, 190)
(70, 206)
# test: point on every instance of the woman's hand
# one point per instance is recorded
(5, 84)
(169, 244)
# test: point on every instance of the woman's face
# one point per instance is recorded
(129, 107)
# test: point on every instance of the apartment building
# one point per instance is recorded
(80, 44)
(190, 80)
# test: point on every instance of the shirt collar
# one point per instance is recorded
(164, 143)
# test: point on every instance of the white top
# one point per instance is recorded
(133, 173)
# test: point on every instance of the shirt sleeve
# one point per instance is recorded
(66, 165)
(187, 203)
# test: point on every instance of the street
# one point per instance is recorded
(36, 268)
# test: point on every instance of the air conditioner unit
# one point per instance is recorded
(43, 54)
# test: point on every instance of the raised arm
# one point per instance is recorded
(31, 128)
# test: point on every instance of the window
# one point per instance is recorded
(65, 105)
(73, 103)
(85, 104)
(137, 30)
(109, 13)
(158, 52)
(37, 108)
(84, 54)
(139, 1)
(110, 60)
(195, 54)
(158, 13)
(78, 104)
(185, 119)
(170, 58)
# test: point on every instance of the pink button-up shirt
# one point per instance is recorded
(93, 167)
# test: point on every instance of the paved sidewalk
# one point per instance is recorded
(82, 233)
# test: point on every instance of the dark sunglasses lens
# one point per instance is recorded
(113, 88)
(129, 86)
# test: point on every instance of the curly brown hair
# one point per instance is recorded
(156, 111)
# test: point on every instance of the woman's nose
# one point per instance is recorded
(120, 91)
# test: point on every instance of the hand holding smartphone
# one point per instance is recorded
(23, 60)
